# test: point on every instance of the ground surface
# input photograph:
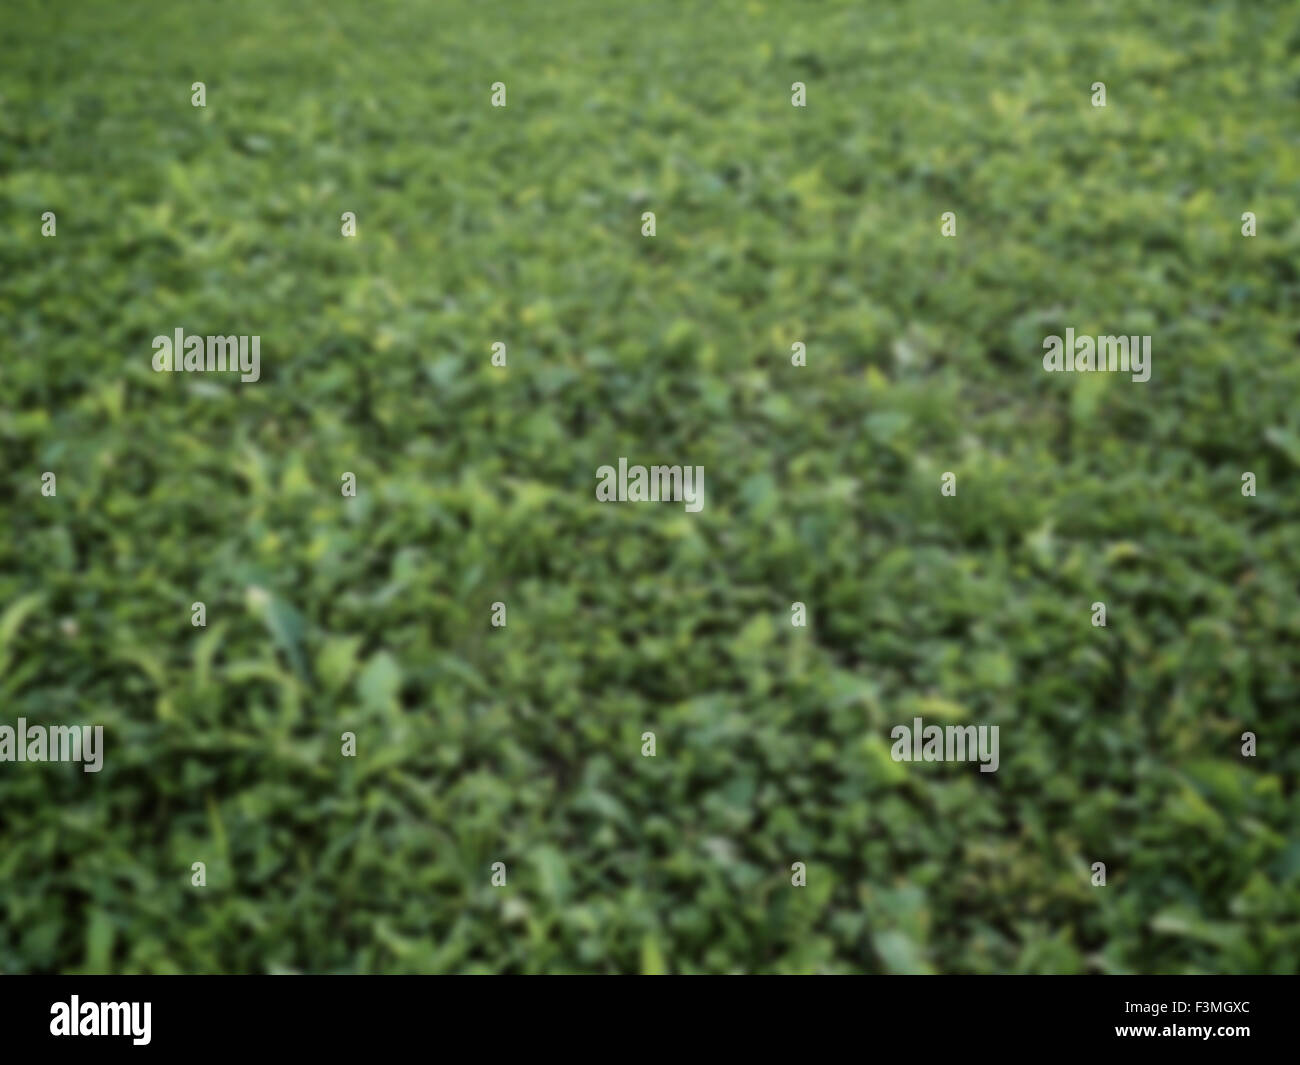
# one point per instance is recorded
(475, 485)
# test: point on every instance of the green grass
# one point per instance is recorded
(476, 484)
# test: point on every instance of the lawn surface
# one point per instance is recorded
(475, 485)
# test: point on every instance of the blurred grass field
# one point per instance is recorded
(475, 485)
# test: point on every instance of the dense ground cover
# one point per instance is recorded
(475, 485)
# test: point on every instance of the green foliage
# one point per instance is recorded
(475, 484)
